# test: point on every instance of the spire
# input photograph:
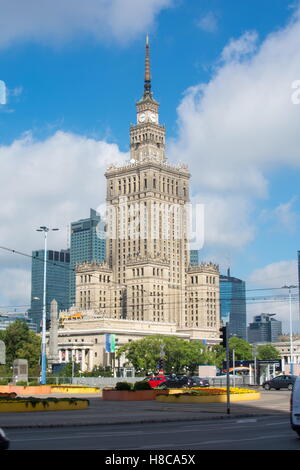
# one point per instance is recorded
(147, 85)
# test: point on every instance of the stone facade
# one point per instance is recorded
(147, 285)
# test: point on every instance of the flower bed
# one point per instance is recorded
(130, 395)
(21, 404)
(208, 395)
(218, 391)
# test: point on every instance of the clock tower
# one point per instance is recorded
(147, 137)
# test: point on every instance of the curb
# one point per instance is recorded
(160, 420)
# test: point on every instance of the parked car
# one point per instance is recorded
(4, 442)
(155, 380)
(184, 382)
(295, 407)
(281, 381)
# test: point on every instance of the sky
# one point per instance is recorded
(227, 76)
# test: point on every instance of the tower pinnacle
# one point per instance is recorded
(147, 85)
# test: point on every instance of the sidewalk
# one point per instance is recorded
(108, 412)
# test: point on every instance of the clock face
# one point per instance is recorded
(153, 117)
(142, 117)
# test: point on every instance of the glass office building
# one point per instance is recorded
(233, 304)
(87, 243)
(57, 282)
(194, 257)
(6, 319)
(264, 329)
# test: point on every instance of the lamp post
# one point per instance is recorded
(291, 328)
(43, 352)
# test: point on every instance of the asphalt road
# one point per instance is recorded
(264, 426)
(257, 433)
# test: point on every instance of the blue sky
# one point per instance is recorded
(73, 78)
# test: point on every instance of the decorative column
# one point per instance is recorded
(53, 355)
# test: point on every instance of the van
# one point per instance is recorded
(295, 407)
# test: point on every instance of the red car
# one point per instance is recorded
(156, 380)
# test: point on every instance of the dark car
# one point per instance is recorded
(4, 442)
(184, 382)
(281, 381)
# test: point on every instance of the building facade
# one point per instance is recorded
(87, 244)
(6, 319)
(233, 304)
(264, 329)
(194, 257)
(146, 284)
(57, 282)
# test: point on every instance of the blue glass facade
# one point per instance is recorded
(88, 243)
(57, 282)
(7, 319)
(264, 329)
(194, 257)
(233, 304)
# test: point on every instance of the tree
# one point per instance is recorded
(242, 349)
(180, 356)
(21, 343)
(216, 355)
(267, 351)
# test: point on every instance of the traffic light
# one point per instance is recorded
(223, 336)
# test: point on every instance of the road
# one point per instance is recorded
(257, 425)
(258, 433)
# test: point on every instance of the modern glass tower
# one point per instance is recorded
(233, 304)
(88, 243)
(194, 257)
(264, 329)
(57, 282)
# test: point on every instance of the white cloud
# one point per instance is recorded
(226, 220)
(275, 300)
(51, 182)
(241, 124)
(275, 274)
(15, 289)
(208, 22)
(56, 21)
(237, 48)
(283, 217)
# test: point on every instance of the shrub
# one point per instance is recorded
(142, 385)
(34, 384)
(22, 383)
(4, 381)
(8, 395)
(123, 386)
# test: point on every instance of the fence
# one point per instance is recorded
(111, 381)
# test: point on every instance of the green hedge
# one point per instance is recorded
(123, 386)
(142, 385)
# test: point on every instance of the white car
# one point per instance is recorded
(295, 407)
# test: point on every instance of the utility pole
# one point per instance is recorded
(43, 352)
(291, 329)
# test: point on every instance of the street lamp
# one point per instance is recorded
(291, 328)
(43, 352)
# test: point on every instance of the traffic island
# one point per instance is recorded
(212, 395)
(130, 395)
(16, 405)
(47, 389)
